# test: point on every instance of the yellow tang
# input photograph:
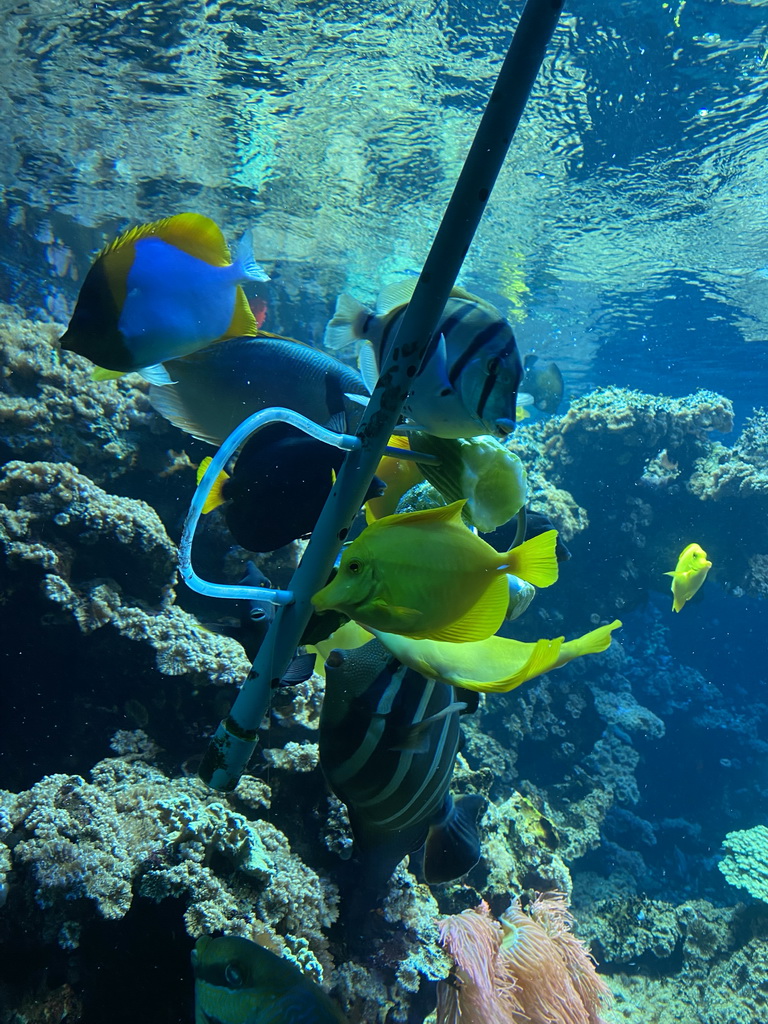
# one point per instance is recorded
(497, 664)
(425, 575)
(688, 575)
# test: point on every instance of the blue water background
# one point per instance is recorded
(634, 209)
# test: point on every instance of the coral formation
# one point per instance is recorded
(92, 490)
(51, 410)
(92, 846)
(527, 966)
(745, 864)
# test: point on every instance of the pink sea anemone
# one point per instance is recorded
(527, 968)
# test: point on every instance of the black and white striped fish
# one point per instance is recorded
(388, 742)
(470, 377)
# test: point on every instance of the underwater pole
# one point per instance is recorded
(235, 739)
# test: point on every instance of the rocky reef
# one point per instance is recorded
(115, 677)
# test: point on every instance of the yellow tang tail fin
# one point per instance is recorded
(215, 497)
(535, 560)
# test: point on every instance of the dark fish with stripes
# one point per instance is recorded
(240, 982)
(218, 387)
(469, 380)
(388, 742)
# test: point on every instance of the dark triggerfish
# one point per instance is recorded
(240, 982)
(388, 742)
(278, 487)
(216, 388)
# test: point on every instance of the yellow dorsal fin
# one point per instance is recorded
(535, 560)
(399, 441)
(398, 293)
(462, 293)
(594, 642)
(480, 622)
(243, 323)
(215, 497)
(501, 669)
(425, 516)
(280, 337)
(193, 233)
(100, 373)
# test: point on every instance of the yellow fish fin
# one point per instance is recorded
(243, 323)
(193, 233)
(398, 293)
(280, 337)
(100, 373)
(535, 560)
(481, 621)
(407, 618)
(426, 516)
(496, 657)
(594, 642)
(215, 497)
(543, 658)
(399, 441)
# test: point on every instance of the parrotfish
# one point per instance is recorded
(160, 291)
(688, 575)
(215, 389)
(240, 982)
(494, 665)
(278, 487)
(388, 742)
(470, 376)
(425, 575)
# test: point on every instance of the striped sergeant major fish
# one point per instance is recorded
(470, 376)
(239, 982)
(388, 742)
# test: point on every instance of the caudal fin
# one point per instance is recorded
(535, 560)
(453, 845)
(346, 325)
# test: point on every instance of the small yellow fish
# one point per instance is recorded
(399, 475)
(496, 664)
(688, 575)
(425, 575)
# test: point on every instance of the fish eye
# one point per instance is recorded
(493, 365)
(233, 976)
(355, 565)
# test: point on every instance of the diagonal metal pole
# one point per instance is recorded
(235, 739)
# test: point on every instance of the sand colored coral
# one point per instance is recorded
(527, 967)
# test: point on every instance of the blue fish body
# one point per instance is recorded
(240, 982)
(388, 743)
(175, 303)
(161, 291)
